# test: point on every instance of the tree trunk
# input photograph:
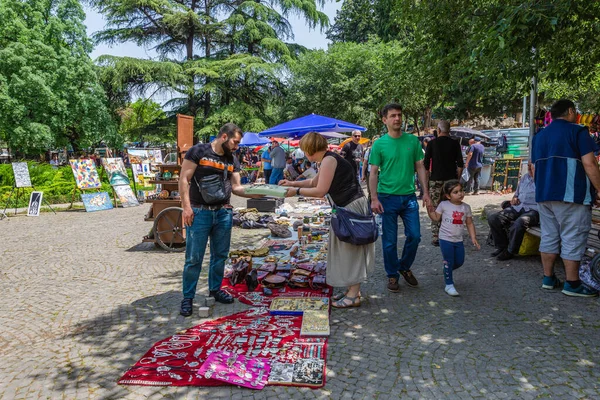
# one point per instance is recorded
(189, 46)
(427, 118)
(416, 119)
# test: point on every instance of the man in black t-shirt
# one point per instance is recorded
(353, 151)
(443, 159)
(209, 174)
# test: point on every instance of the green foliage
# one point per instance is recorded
(353, 81)
(218, 58)
(142, 121)
(49, 92)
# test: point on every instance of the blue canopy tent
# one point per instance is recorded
(252, 139)
(298, 127)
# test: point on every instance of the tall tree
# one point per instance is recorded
(215, 54)
(49, 91)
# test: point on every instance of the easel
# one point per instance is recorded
(21, 191)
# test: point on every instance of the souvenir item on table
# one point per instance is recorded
(158, 176)
(260, 275)
(260, 252)
(299, 278)
(274, 281)
(271, 259)
(287, 242)
(167, 175)
(96, 201)
(252, 280)
(318, 281)
(278, 230)
(164, 194)
(236, 369)
(176, 360)
(268, 267)
(175, 175)
(309, 371)
(283, 274)
(284, 267)
(320, 267)
(175, 194)
(241, 266)
(315, 323)
(85, 174)
(297, 305)
(267, 190)
(306, 266)
(282, 373)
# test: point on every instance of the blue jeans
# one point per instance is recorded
(216, 225)
(276, 176)
(407, 208)
(454, 258)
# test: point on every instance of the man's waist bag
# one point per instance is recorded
(351, 227)
(213, 188)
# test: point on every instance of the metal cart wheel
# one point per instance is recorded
(169, 230)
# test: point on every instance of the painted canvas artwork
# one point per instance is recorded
(85, 174)
(21, 172)
(138, 156)
(126, 196)
(35, 202)
(115, 169)
(96, 201)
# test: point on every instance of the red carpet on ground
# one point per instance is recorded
(258, 299)
(175, 361)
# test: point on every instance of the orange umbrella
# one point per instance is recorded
(362, 140)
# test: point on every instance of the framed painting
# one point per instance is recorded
(96, 201)
(115, 169)
(85, 174)
(35, 202)
(22, 178)
(126, 196)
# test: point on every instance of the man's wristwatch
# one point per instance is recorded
(298, 192)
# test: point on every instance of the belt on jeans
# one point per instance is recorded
(214, 207)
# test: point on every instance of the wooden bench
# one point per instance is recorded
(593, 243)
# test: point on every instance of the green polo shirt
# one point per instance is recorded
(396, 160)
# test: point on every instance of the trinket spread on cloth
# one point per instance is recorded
(254, 334)
(315, 323)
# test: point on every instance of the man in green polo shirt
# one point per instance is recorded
(394, 159)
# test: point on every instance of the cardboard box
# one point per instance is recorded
(264, 204)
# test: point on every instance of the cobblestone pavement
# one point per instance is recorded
(81, 299)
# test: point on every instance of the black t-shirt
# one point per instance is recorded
(442, 157)
(353, 153)
(344, 187)
(209, 163)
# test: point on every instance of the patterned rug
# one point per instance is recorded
(176, 361)
(259, 299)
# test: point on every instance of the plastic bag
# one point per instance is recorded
(530, 245)
(464, 178)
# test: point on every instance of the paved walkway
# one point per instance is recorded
(81, 299)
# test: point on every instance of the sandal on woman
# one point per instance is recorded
(354, 302)
(340, 296)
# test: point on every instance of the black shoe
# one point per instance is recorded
(221, 296)
(409, 278)
(186, 307)
(505, 255)
(497, 252)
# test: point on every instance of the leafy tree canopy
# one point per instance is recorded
(49, 92)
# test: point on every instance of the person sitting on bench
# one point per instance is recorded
(509, 225)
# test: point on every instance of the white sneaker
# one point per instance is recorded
(451, 290)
